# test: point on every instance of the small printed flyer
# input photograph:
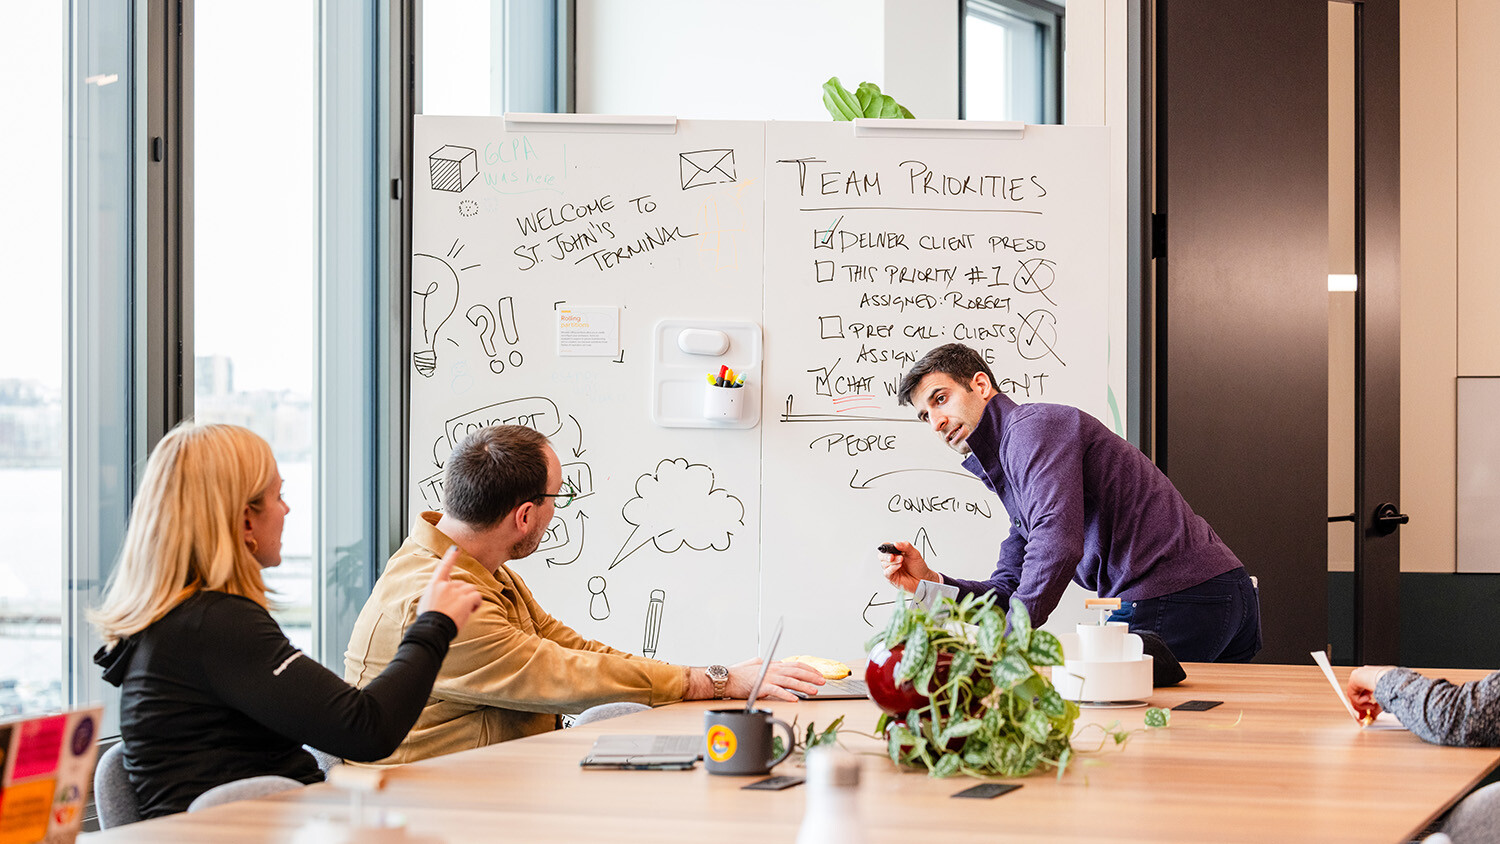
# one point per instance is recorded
(584, 332)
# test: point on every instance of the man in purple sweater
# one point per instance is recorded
(1084, 505)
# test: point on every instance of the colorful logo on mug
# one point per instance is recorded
(721, 743)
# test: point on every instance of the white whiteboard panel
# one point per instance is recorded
(510, 226)
(1002, 245)
(879, 249)
(1478, 475)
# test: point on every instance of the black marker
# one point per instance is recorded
(888, 548)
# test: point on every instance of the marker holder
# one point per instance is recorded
(723, 404)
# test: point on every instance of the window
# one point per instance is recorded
(255, 278)
(1012, 61)
(32, 358)
(491, 56)
(65, 419)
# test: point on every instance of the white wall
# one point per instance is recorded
(726, 59)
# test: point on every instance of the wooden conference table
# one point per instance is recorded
(1280, 760)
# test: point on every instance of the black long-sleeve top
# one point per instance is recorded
(213, 692)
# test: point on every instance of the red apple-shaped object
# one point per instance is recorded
(899, 698)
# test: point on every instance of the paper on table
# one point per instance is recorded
(1386, 721)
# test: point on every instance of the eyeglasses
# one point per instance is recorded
(564, 498)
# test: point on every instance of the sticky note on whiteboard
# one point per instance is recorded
(583, 332)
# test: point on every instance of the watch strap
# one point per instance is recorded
(719, 675)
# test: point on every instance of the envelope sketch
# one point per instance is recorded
(706, 167)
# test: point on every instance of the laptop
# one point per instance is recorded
(46, 767)
(644, 752)
(665, 752)
(849, 688)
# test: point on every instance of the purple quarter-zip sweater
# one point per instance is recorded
(1084, 505)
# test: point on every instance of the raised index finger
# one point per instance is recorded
(445, 566)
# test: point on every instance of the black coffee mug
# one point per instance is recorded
(738, 743)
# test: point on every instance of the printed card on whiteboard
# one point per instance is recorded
(585, 332)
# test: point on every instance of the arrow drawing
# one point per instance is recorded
(872, 604)
(435, 461)
(578, 452)
(553, 562)
(854, 482)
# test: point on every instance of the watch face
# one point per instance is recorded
(718, 672)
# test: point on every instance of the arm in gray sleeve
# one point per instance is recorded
(1440, 712)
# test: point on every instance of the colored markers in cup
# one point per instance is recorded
(725, 378)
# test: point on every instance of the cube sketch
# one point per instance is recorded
(453, 167)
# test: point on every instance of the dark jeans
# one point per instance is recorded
(1216, 621)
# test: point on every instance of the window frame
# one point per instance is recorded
(1049, 18)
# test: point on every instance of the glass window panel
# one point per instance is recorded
(255, 262)
(33, 644)
(1010, 69)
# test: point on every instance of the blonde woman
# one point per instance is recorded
(211, 691)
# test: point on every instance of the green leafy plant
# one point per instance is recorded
(866, 101)
(813, 738)
(988, 712)
(1156, 719)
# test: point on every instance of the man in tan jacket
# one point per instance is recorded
(513, 668)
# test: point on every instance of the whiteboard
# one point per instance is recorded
(509, 228)
(881, 248)
(691, 541)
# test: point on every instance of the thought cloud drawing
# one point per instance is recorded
(678, 506)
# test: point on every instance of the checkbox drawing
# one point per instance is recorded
(832, 327)
(823, 271)
(823, 239)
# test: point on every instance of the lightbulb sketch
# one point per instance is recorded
(435, 285)
(678, 505)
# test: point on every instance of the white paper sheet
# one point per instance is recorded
(1385, 721)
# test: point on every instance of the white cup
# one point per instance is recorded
(723, 404)
(1102, 642)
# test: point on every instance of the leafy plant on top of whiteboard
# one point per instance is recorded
(866, 101)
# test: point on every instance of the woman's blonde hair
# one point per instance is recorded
(186, 527)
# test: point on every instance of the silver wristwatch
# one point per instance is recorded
(720, 677)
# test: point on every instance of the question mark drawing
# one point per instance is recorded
(481, 316)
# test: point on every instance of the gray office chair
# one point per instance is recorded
(1476, 819)
(605, 711)
(326, 761)
(114, 797)
(245, 789)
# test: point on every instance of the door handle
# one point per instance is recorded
(1348, 517)
(1388, 518)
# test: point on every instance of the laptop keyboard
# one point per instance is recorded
(676, 745)
(848, 688)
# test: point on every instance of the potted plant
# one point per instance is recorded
(961, 694)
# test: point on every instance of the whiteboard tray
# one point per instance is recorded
(677, 378)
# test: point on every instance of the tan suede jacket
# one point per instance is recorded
(511, 669)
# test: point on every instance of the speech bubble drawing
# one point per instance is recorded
(678, 505)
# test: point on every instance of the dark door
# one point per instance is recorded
(1241, 317)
